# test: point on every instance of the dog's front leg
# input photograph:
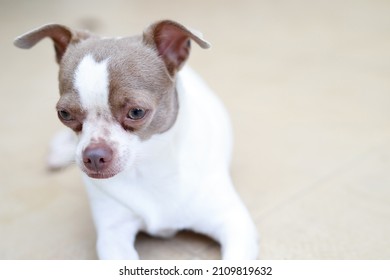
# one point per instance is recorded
(235, 230)
(229, 222)
(116, 242)
(238, 238)
(62, 149)
(115, 224)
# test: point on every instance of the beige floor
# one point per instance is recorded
(307, 84)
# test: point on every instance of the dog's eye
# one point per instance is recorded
(64, 115)
(136, 113)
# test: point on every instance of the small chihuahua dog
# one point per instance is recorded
(152, 140)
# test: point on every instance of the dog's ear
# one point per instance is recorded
(61, 36)
(172, 42)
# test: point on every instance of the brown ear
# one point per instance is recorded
(172, 42)
(61, 36)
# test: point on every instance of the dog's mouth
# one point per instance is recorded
(98, 161)
(100, 175)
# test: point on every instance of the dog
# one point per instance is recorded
(153, 141)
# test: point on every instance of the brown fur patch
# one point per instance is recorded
(141, 72)
(137, 79)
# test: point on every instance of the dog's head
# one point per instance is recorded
(116, 93)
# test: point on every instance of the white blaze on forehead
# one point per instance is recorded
(92, 82)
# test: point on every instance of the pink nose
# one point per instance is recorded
(97, 157)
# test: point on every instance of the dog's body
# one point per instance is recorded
(154, 143)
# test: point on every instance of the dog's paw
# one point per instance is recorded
(62, 150)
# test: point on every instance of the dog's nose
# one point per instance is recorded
(97, 157)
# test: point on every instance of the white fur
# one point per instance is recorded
(173, 181)
(62, 149)
(91, 82)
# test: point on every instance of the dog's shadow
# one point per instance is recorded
(185, 245)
